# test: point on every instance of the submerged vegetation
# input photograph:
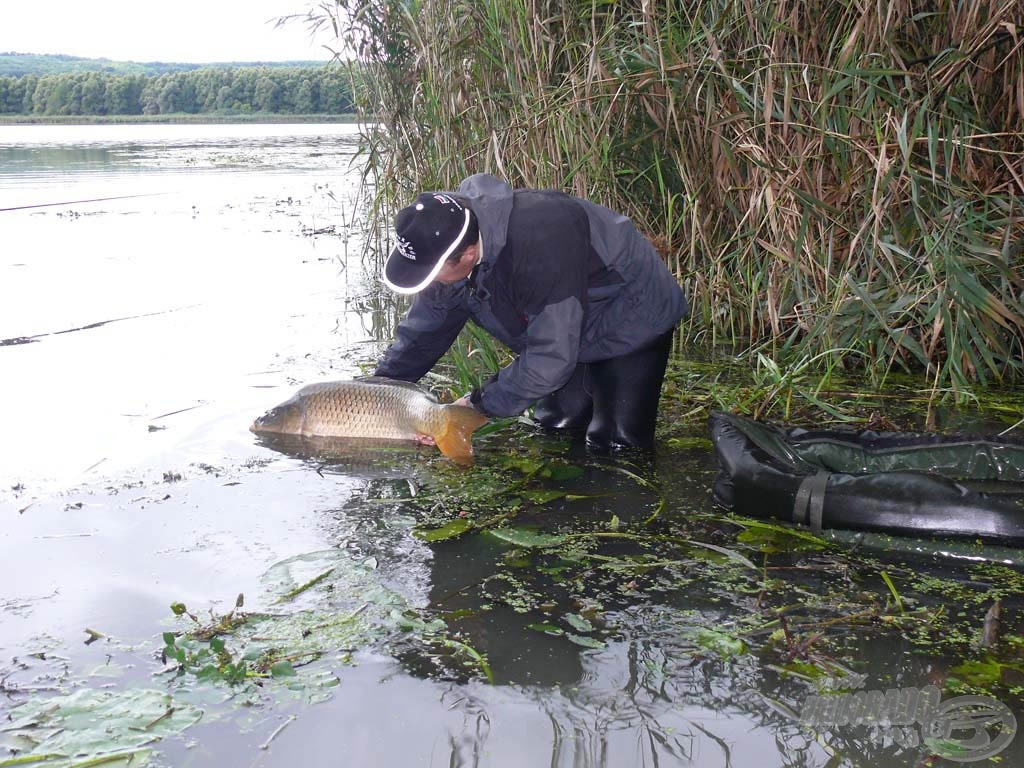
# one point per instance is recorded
(838, 182)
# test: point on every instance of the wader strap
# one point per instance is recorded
(809, 504)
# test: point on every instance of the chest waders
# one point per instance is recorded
(615, 400)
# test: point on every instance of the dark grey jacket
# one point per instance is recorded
(562, 281)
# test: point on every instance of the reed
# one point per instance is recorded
(835, 181)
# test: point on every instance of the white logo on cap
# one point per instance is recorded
(405, 248)
(447, 200)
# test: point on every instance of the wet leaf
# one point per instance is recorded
(982, 674)
(559, 470)
(766, 535)
(952, 750)
(578, 623)
(729, 553)
(805, 669)
(449, 530)
(542, 497)
(525, 465)
(584, 641)
(282, 669)
(724, 645)
(522, 537)
(782, 708)
(549, 629)
(691, 443)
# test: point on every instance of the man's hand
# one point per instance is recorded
(427, 439)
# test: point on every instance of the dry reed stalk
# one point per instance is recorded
(820, 175)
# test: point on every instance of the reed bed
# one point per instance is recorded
(838, 181)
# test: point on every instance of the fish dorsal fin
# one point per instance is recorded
(460, 424)
(396, 383)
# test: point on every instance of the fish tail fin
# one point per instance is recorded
(454, 441)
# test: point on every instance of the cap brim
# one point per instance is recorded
(403, 275)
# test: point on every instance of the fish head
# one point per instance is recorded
(285, 418)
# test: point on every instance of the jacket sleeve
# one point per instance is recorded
(554, 250)
(546, 363)
(434, 320)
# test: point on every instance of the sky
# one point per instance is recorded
(175, 31)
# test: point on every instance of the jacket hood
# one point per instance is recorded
(491, 201)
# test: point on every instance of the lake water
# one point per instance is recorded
(162, 285)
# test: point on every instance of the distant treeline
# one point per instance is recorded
(323, 89)
(14, 64)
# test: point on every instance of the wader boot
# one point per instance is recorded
(569, 407)
(616, 400)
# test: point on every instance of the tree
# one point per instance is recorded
(124, 94)
(148, 99)
(28, 94)
(168, 99)
(267, 95)
(94, 95)
(41, 94)
(304, 98)
(224, 101)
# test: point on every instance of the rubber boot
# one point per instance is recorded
(625, 392)
(569, 407)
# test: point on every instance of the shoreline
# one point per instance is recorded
(182, 118)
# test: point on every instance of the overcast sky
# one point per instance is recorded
(179, 30)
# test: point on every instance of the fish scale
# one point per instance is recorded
(364, 410)
(374, 408)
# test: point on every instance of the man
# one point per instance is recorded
(571, 287)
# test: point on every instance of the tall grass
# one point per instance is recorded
(823, 176)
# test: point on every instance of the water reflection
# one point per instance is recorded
(355, 457)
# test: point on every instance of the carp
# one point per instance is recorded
(377, 409)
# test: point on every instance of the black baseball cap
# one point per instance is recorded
(432, 228)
